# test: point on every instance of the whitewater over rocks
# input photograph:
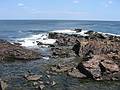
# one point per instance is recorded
(47, 38)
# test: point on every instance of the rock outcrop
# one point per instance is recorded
(99, 67)
(11, 52)
(100, 55)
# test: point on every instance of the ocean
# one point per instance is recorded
(27, 32)
(14, 29)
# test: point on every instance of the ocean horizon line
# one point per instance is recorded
(57, 20)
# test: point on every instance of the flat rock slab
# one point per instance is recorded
(10, 51)
(110, 65)
(33, 77)
(61, 68)
(76, 73)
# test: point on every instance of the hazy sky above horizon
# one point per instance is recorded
(60, 9)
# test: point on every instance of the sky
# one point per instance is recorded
(60, 9)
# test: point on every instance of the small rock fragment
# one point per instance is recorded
(41, 87)
(53, 83)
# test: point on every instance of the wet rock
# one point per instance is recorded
(35, 83)
(53, 35)
(41, 87)
(51, 72)
(63, 39)
(40, 82)
(17, 44)
(75, 73)
(51, 45)
(47, 83)
(88, 55)
(76, 47)
(3, 85)
(84, 71)
(94, 35)
(50, 83)
(78, 30)
(53, 83)
(48, 76)
(4, 42)
(33, 77)
(61, 52)
(110, 65)
(98, 35)
(39, 43)
(91, 68)
(99, 68)
(116, 76)
(97, 50)
(61, 68)
(10, 51)
(89, 32)
(102, 68)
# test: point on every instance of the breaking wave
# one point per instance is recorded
(32, 40)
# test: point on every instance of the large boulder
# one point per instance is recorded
(93, 66)
(110, 66)
(82, 69)
(99, 67)
(95, 35)
(78, 30)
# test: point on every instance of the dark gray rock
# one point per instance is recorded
(78, 30)
(84, 71)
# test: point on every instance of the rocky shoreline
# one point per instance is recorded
(99, 57)
(14, 51)
(102, 64)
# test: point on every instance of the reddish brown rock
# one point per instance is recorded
(110, 65)
(10, 51)
(100, 67)
(76, 73)
(33, 77)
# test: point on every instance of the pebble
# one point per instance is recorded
(41, 87)
(53, 83)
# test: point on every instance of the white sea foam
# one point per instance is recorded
(67, 31)
(82, 33)
(30, 41)
(46, 58)
(111, 34)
